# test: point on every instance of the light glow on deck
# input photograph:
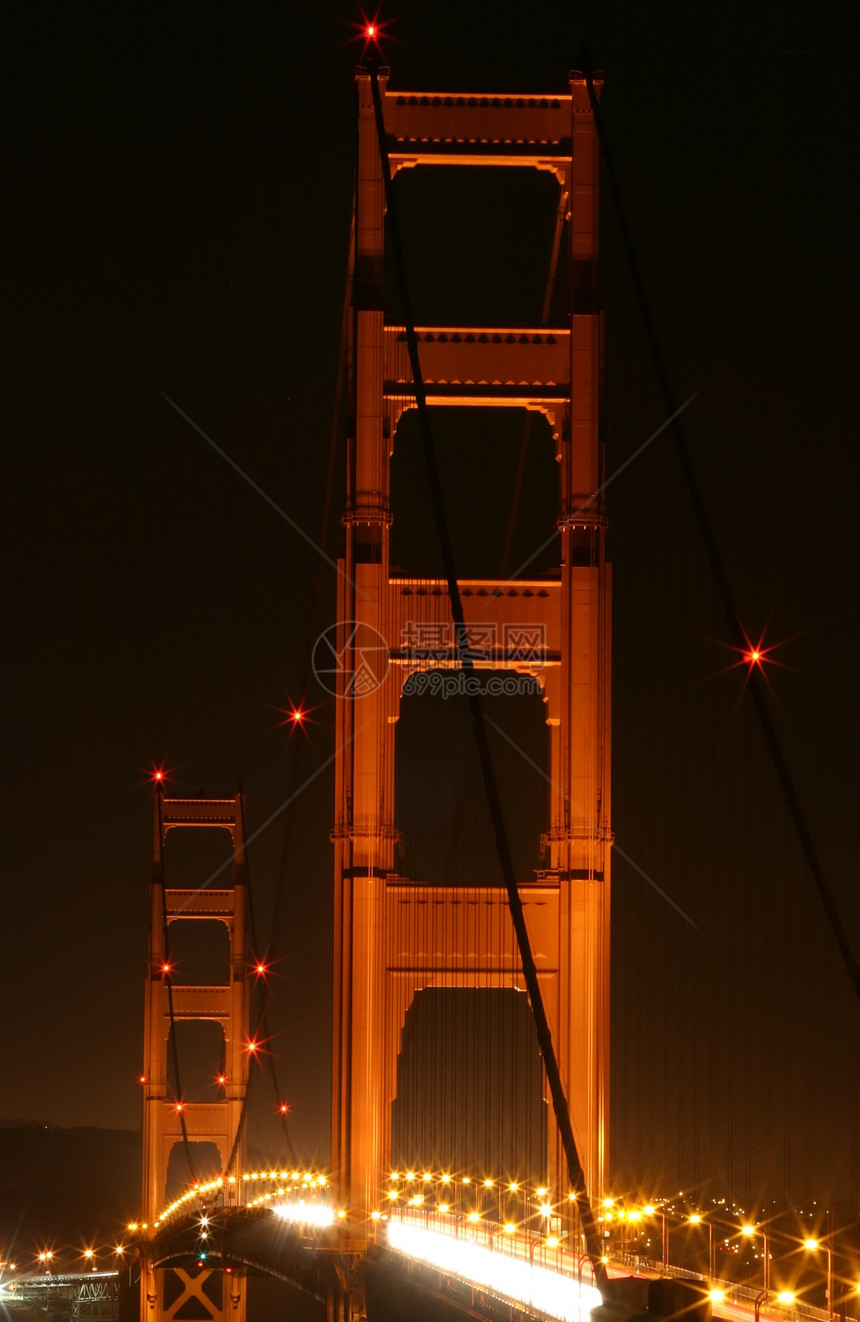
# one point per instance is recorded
(505, 1276)
(309, 1214)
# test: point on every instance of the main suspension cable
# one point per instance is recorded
(296, 779)
(768, 729)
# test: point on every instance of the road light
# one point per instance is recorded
(750, 1232)
(813, 1245)
(784, 1297)
(544, 1205)
(581, 1260)
(573, 1209)
(696, 1219)
(651, 1210)
(633, 1219)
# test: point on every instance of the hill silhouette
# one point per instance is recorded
(66, 1190)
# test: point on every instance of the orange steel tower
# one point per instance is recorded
(227, 1004)
(556, 628)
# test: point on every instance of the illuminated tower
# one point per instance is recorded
(167, 1120)
(557, 629)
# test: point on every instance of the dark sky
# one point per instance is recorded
(179, 191)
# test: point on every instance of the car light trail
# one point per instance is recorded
(507, 1277)
(312, 1214)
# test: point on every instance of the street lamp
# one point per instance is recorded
(650, 1210)
(696, 1219)
(573, 1208)
(749, 1232)
(514, 1187)
(583, 1258)
(813, 1245)
(633, 1219)
(784, 1297)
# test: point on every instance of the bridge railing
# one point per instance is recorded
(735, 1295)
(500, 1261)
(558, 1256)
(249, 1189)
(92, 1295)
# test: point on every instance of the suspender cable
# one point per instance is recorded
(297, 777)
(780, 765)
(261, 1033)
(574, 1165)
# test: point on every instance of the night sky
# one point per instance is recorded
(179, 192)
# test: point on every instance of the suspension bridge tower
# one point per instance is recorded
(556, 628)
(171, 1122)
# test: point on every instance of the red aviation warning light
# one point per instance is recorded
(755, 656)
(296, 715)
(758, 657)
(284, 1108)
(371, 31)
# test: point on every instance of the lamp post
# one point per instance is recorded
(634, 1218)
(750, 1231)
(696, 1219)
(514, 1188)
(545, 1210)
(664, 1235)
(784, 1297)
(481, 1203)
(583, 1257)
(812, 1245)
(573, 1223)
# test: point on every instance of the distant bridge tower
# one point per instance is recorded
(553, 370)
(169, 1294)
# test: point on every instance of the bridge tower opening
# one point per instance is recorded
(554, 627)
(175, 1127)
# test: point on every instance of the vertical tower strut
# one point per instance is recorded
(169, 1121)
(463, 658)
(566, 618)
